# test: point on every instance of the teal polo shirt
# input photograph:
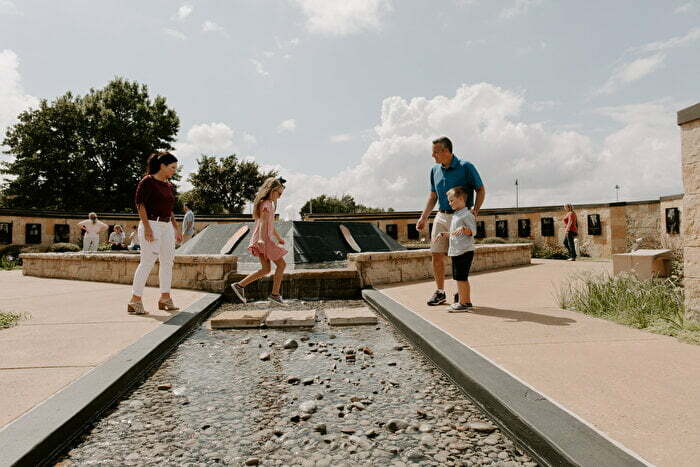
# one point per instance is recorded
(459, 173)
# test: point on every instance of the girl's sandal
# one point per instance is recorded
(135, 308)
(167, 305)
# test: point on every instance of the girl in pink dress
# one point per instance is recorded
(261, 243)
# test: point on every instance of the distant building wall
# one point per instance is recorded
(22, 222)
(620, 224)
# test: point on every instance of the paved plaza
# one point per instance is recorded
(638, 388)
(72, 327)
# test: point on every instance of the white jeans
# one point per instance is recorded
(91, 242)
(162, 248)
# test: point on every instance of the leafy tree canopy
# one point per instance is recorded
(326, 204)
(86, 152)
(224, 185)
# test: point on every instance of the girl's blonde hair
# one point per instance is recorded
(568, 207)
(268, 186)
(93, 217)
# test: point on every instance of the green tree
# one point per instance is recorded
(223, 185)
(326, 204)
(86, 152)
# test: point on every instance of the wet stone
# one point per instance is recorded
(233, 407)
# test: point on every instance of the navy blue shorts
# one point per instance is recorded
(461, 265)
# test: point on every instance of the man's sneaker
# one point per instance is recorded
(277, 299)
(239, 291)
(438, 298)
(459, 308)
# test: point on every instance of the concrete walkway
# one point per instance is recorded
(640, 389)
(71, 327)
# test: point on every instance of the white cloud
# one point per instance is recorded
(539, 106)
(685, 8)
(341, 138)
(343, 17)
(184, 11)
(9, 8)
(474, 42)
(212, 139)
(175, 33)
(259, 67)
(287, 126)
(13, 99)
(211, 26)
(552, 166)
(632, 71)
(518, 8)
(672, 43)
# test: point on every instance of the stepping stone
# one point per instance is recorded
(350, 316)
(239, 319)
(291, 318)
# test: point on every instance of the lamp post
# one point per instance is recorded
(516, 194)
(617, 192)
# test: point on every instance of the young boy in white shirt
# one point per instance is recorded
(461, 248)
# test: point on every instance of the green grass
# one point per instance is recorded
(8, 320)
(7, 264)
(655, 305)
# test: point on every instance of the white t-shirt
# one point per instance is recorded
(91, 228)
(116, 237)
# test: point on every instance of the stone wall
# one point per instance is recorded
(305, 284)
(198, 272)
(404, 266)
(689, 120)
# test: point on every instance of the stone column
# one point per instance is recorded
(689, 121)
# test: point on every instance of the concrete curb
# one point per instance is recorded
(40, 434)
(553, 435)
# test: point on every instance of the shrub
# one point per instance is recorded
(8, 319)
(64, 247)
(9, 262)
(488, 240)
(549, 251)
(34, 249)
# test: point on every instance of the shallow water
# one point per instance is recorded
(226, 406)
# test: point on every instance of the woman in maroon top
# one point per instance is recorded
(570, 231)
(157, 232)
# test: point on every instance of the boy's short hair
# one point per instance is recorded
(458, 191)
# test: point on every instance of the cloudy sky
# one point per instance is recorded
(344, 96)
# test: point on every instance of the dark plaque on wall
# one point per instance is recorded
(393, 231)
(412, 232)
(673, 221)
(5, 232)
(523, 227)
(594, 224)
(32, 234)
(480, 229)
(502, 228)
(61, 233)
(547, 226)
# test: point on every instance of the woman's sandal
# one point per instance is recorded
(135, 308)
(167, 305)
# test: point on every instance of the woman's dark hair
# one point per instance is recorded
(157, 158)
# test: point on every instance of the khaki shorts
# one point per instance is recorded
(441, 223)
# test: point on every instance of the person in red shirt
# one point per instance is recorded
(570, 231)
(157, 232)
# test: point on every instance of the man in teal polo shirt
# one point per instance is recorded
(450, 171)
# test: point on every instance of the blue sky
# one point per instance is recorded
(345, 96)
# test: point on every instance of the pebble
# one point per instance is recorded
(165, 387)
(252, 461)
(290, 344)
(265, 356)
(396, 424)
(308, 406)
(481, 427)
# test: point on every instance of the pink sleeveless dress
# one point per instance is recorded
(271, 250)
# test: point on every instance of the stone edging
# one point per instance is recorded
(403, 254)
(40, 434)
(553, 435)
(133, 258)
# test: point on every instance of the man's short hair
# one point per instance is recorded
(458, 191)
(186, 205)
(445, 142)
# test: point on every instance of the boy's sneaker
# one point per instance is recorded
(239, 291)
(277, 299)
(459, 308)
(438, 298)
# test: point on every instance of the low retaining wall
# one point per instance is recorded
(305, 284)
(199, 272)
(413, 265)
